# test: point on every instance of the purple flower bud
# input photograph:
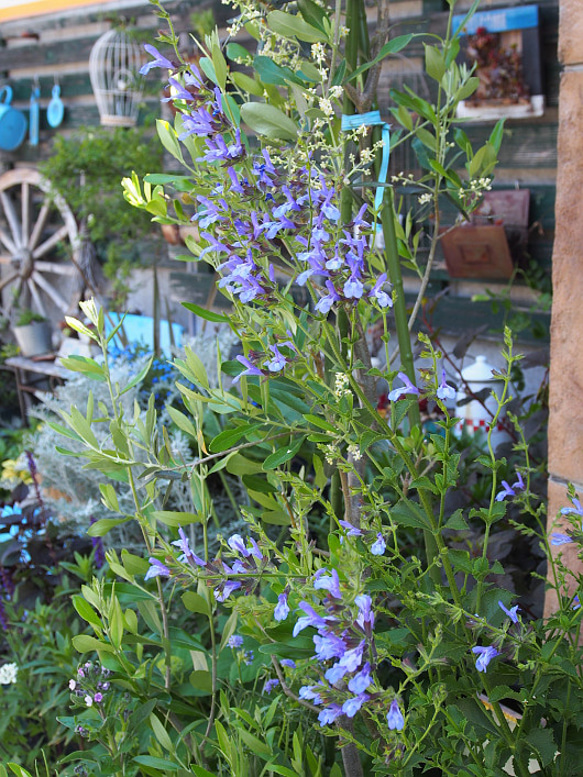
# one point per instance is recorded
(560, 539)
(577, 508)
(237, 543)
(288, 662)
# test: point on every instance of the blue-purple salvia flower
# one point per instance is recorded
(408, 388)
(510, 490)
(157, 569)
(395, 717)
(288, 662)
(512, 613)
(281, 608)
(445, 391)
(379, 545)
(270, 685)
(577, 509)
(560, 539)
(330, 583)
(484, 656)
(158, 61)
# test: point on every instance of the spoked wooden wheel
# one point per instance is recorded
(39, 246)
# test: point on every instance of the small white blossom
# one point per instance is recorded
(354, 451)
(88, 700)
(72, 685)
(425, 198)
(336, 92)
(8, 674)
(326, 107)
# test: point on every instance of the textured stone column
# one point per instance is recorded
(566, 375)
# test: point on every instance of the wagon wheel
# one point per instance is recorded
(39, 246)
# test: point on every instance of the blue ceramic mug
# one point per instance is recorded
(12, 122)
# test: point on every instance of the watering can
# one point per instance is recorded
(12, 122)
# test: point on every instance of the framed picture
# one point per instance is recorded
(504, 46)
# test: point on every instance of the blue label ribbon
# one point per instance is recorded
(373, 119)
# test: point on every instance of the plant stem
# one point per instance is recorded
(400, 308)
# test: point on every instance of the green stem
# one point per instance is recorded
(400, 308)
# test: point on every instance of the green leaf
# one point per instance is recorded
(18, 770)
(160, 733)
(467, 89)
(201, 680)
(86, 611)
(236, 51)
(219, 64)
(497, 134)
(541, 740)
(434, 62)
(208, 315)
(176, 519)
(276, 518)
(195, 603)
(284, 454)
(83, 643)
(256, 746)
(321, 423)
(199, 771)
(228, 629)
(104, 525)
(392, 47)
(168, 139)
(247, 84)
(271, 73)
(290, 26)
(109, 497)
(137, 379)
(182, 421)
(267, 120)
(314, 14)
(230, 437)
(85, 366)
(157, 763)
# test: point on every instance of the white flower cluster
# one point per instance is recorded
(425, 198)
(341, 384)
(354, 451)
(8, 674)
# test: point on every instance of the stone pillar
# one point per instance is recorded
(566, 374)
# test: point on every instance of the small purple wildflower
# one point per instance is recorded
(310, 692)
(288, 662)
(352, 705)
(485, 655)
(395, 717)
(361, 680)
(270, 685)
(560, 539)
(445, 391)
(158, 61)
(282, 608)
(329, 715)
(330, 583)
(351, 531)
(235, 641)
(576, 508)
(157, 569)
(408, 388)
(98, 698)
(512, 613)
(379, 546)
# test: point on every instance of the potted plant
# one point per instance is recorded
(33, 333)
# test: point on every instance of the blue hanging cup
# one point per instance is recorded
(12, 122)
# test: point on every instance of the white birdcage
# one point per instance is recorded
(114, 65)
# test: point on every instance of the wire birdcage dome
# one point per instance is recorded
(114, 65)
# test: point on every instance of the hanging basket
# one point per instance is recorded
(114, 65)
